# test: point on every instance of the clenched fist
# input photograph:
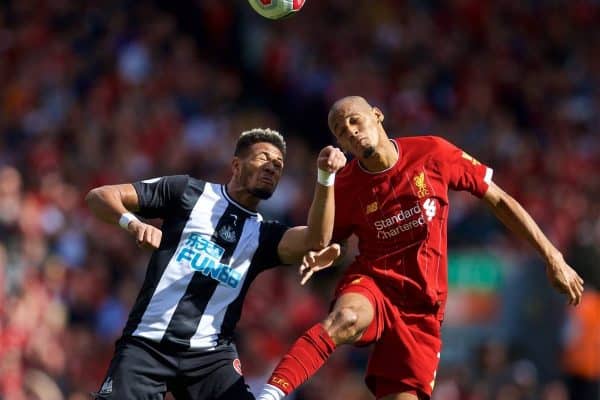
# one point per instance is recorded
(146, 236)
(331, 159)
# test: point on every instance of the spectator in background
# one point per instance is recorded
(39, 386)
(582, 349)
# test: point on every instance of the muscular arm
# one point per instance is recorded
(316, 235)
(514, 216)
(108, 203)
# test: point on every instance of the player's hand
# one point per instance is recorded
(315, 261)
(564, 278)
(331, 159)
(146, 236)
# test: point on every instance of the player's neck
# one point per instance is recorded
(384, 157)
(241, 196)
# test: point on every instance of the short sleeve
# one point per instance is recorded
(160, 197)
(462, 171)
(267, 255)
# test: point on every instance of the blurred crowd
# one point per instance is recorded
(106, 91)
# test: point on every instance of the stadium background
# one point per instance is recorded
(101, 92)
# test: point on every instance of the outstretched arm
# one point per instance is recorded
(513, 215)
(316, 235)
(113, 203)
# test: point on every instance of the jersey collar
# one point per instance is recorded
(388, 168)
(235, 203)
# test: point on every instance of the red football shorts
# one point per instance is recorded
(407, 345)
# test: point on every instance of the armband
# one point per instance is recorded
(126, 219)
(325, 178)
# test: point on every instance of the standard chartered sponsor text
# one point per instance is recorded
(399, 222)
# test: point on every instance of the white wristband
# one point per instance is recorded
(325, 178)
(126, 219)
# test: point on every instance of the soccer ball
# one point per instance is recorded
(276, 9)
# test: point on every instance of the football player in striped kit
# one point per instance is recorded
(211, 246)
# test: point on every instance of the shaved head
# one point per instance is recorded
(354, 101)
(348, 103)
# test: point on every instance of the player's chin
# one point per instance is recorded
(263, 192)
(368, 152)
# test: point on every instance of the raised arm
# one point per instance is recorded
(316, 235)
(114, 203)
(513, 215)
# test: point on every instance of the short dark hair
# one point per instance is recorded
(259, 135)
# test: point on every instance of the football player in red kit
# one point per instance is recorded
(394, 197)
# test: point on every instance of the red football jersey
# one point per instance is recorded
(400, 216)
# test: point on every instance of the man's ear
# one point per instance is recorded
(236, 166)
(378, 114)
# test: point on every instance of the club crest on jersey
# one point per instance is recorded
(371, 208)
(227, 234)
(421, 185)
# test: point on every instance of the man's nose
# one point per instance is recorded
(350, 129)
(269, 167)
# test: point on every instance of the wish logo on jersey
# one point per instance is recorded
(203, 256)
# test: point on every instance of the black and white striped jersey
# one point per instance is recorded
(212, 248)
